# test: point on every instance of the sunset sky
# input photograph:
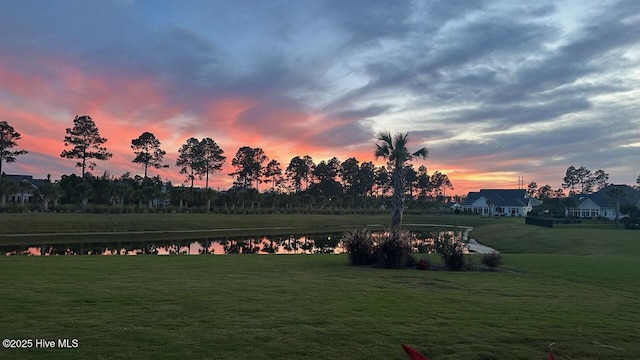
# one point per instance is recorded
(494, 89)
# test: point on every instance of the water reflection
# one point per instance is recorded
(287, 244)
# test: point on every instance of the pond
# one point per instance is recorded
(329, 242)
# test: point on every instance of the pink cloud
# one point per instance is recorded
(125, 106)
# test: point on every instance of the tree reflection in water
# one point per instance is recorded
(288, 244)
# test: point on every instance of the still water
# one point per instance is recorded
(284, 244)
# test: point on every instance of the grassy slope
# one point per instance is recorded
(511, 236)
(194, 225)
(251, 306)
(78, 222)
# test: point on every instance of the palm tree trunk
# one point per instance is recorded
(398, 199)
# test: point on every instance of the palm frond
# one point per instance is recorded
(400, 140)
(382, 151)
(385, 136)
(421, 154)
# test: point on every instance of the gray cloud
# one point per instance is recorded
(358, 114)
(369, 20)
(505, 117)
(353, 134)
(492, 65)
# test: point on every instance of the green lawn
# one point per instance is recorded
(188, 226)
(587, 302)
(79, 222)
(510, 235)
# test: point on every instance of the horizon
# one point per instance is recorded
(495, 90)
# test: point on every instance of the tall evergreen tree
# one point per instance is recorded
(532, 189)
(382, 182)
(248, 163)
(148, 152)
(366, 178)
(423, 183)
(190, 159)
(8, 139)
(349, 170)
(87, 143)
(411, 178)
(299, 170)
(273, 173)
(325, 174)
(212, 159)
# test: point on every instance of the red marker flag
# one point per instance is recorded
(413, 353)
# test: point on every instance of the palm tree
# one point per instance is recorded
(394, 150)
(615, 192)
(490, 205)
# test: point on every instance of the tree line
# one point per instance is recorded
(201, 159)
(331, 182)
(577, 180)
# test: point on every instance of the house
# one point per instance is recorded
(603, 202)
(498, 202)
(22, 188)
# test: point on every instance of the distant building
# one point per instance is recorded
(498, 202)
(603, 202)
(25, 187)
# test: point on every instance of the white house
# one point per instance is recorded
(603, 202)
(23, 188)
(498, 202)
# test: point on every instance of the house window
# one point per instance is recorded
(595, 212)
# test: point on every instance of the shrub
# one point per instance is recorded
(394, 251)
(423, 264)
(359, 245)
(451, 251)
(492, 260)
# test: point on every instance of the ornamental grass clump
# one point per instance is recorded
(451, 251)
(394, 251)
(359, 245)
(492, 260)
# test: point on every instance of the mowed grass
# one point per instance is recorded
(15, 228)
(315, 306)
(512, 236)
(16, 223)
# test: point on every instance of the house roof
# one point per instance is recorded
(24, 178)
(605, 198)
(500, 197)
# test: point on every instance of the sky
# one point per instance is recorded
(496, 90)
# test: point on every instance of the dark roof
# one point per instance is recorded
(471, 197)
(536, 202)
(24, 178)
(500, 197)
(604, 198)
